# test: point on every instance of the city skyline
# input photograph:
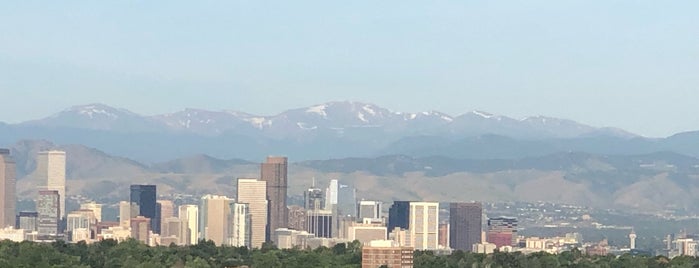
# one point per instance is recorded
(349, 134)
(420, 224)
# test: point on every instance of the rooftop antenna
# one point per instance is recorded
(313, 183)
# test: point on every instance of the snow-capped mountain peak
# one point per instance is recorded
(330, 118)
(95, 111)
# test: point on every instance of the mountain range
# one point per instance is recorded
(645, 182)
(329, 130)
(337, 117)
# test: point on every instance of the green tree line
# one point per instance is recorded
(131, 253)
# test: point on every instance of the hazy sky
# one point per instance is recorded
(629, 64)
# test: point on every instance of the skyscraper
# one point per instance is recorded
(399, 215)
(253, 193)
(331, 195)
(48, 207)
(190, 214)
(274, 173)
(51, 167)
(421, 219)
(8, 198)
(346, 201)
(167, 210)
(214, 218)
(424, 225)
(368, 210)
(465, 225)
(239, 225)
(144, 196)
(313, 199)
(331, 205)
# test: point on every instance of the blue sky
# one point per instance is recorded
(628, 64)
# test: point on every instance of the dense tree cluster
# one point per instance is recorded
(132, 253)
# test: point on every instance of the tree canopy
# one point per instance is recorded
(132, 253)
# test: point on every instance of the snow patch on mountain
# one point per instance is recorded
(369, 110)
(305, 126)
(258, 122)
(91, 113)
(318, 109)
(482, 114)
(94, 110)
(361, 117)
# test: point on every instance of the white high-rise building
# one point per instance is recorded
(51, 167)
(254, 193)
(424, 225)
(331, 195)
(239, 225)
(190, 214)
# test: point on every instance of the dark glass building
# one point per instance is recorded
(399, 215)
(144, 196)
(465, 225)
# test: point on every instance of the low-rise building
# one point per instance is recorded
(386, 252)
(484, 248)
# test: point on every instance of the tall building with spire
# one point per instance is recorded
(8, 198)
(51, 167)
(313, 198)
(274, 173)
